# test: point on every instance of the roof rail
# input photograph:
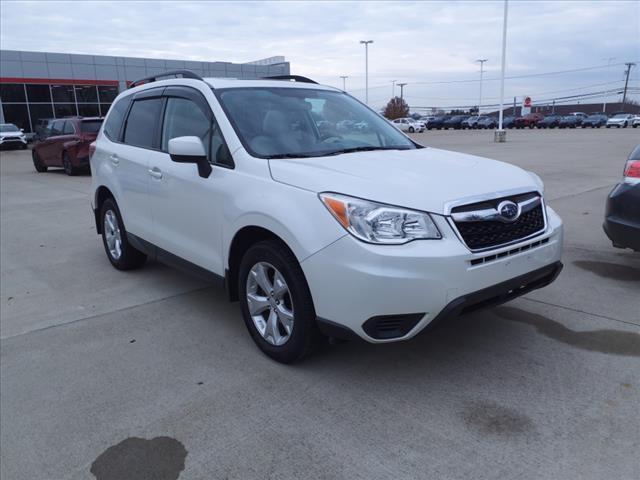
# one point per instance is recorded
(172, 73)
(291, 78)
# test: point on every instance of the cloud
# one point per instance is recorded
(416, 42)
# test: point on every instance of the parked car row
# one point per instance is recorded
(532, 120)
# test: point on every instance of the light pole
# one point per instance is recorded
(366, 68)
(481, 61)
(626, 82)
(393, 88)
(606, 90)
(402, 85)
(500, 135)
(344, 82)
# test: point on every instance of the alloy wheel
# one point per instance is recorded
(112, 234)
(270, 303)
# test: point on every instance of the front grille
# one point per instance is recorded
(483, 234)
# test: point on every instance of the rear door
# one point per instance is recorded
(57, 148)
(46, 147)
(130, 160)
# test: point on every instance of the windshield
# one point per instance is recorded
(90, 126)
(8, 127)
(620, 115)
(301, 122)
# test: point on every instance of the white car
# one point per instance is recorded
(636, 121)
(620, 120)
(12, 136)
(364, 235)
(409, 125)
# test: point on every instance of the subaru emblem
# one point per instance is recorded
(509, 211)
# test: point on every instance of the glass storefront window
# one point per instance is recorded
(12, 92)
(17, 114)
(63, 93)
(38, 93)
(104, 108)
(86, 94)
(88, 110)
(65, 110)
(39, 112)
(107, 94)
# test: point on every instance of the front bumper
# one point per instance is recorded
(13, 142)
(408, 286)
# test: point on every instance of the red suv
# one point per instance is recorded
(65, 143)
(530, 120)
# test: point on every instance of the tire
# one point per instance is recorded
(608, 126)
(625, 125)
(634, 125)
(411, 130)
(23, 147)
(69, 169)
(271, 256)
(129, 257)
(37, 163)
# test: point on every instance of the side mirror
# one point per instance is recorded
(190, 150)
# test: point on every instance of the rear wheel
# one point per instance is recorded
(69, 169)
(37, 163)
(120, 252)
(276, 302)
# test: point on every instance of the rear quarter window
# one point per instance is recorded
(115, 119)
(90, 126)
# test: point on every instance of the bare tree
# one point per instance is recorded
(396, 108)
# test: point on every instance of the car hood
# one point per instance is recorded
(11, 134)
(424, 179)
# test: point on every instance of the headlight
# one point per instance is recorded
(378, 223)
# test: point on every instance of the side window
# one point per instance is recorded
(183, 118)
(57, 128)
(113, 125)
(141, 123)
(68, 128)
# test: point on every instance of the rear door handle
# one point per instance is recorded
(155, 172)
(114, 159)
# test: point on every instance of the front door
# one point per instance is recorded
(186, 208)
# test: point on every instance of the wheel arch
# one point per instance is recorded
(102, 193)
(243, 240)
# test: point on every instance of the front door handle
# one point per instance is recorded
(114, 159)
(155, 172)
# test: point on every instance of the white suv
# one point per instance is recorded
(359, 234)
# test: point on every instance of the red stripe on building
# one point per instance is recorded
(59, 81)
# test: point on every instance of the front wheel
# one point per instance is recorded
(120, 252)
(276, 302)
(69, 169)
(411, 130)
(37, 162)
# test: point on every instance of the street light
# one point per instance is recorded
(344, 82)
(500, 135)
(481, 61)
(393, 88)
(401, 85)
(366, 68)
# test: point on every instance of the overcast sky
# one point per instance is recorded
(420, 43)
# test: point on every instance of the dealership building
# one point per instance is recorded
(35, 85)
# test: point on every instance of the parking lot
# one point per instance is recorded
(105, 372)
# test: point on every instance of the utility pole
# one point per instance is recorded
(606, 91)
(393, 88)
(366, 68)
(481, 62)
(344, 82)
(626, 82)
(401, 85)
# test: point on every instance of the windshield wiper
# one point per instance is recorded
(365, 149)
(290, 155)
